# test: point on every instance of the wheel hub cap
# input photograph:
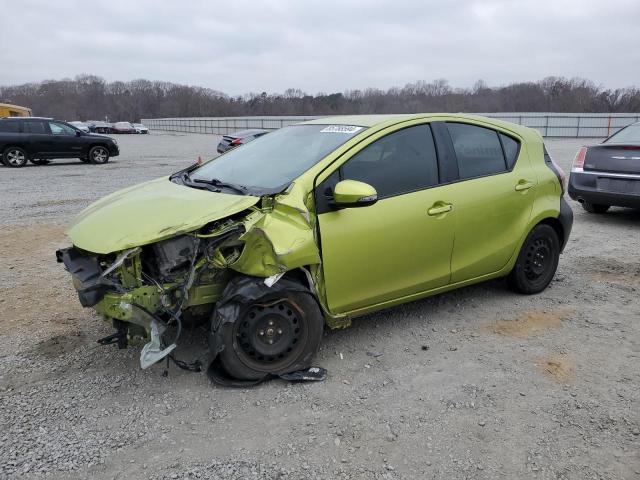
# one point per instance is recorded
(537, 262)
(269, 333)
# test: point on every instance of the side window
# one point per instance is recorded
(35, 127)
(478, 150)
(10, 127)
(401, 162)
(511, 148)
(61, 129)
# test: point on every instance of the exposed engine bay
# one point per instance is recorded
(150, 293)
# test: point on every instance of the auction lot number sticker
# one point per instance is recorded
(349, 129)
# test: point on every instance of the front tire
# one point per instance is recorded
(15, 157)
(98, 155)
(594, 207)
(537, 261)
(274, 334)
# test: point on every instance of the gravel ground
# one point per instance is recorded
(478, 383)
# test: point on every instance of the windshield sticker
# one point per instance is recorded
(349, 129)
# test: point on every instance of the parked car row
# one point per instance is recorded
(39, 140)
(96, 126)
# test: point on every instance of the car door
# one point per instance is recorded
(402, 244)
(40, 140)
(66, 142)
(494, 199)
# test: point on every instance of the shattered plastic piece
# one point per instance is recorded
(152, 352)
(311, 374)
(270, 281)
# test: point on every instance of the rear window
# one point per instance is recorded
(630, 134)
(10, 127)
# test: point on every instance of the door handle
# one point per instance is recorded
(523, 185)
(439, 208)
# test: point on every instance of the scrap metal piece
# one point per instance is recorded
(120, 260)
(153, 352)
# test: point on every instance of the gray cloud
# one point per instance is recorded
(244, 46)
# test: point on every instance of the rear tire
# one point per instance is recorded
(15, 157)
(595, 207)
(537, 261)
(98, 155)
(274, 334)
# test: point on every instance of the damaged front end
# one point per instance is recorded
(143, 290)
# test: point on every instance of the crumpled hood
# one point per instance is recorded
(148, 213)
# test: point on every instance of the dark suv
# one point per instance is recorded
(42, 139)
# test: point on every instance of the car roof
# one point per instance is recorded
(246, 133)
(391, 119)
(26, 118)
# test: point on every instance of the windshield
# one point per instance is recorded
(630, 134)
(273, 161)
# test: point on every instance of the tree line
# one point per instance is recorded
(89, 97)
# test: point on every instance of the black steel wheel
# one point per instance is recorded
(537, 261)
(272, 335)
(595, 207)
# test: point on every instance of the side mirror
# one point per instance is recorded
(352, 193)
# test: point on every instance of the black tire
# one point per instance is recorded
(15, 157)
(290, 320)
(537, 261)
(99, 155)
(40, 161)
(595, 207)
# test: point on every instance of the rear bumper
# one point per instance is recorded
(603, 188)
(566, 220)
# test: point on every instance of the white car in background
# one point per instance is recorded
(140, 128)
(80, 126)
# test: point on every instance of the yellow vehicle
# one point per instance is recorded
(9, 110)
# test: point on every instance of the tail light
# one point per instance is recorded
(578, 161)
(236, 142)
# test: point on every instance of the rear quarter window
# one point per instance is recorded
(10, 127)
(511, 148)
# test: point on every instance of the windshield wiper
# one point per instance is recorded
(219, 183)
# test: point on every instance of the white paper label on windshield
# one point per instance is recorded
(349, 129)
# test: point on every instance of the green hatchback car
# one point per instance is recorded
(316, 223)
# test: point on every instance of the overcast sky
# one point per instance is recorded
(320, 46)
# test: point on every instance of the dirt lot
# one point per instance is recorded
(478, 383)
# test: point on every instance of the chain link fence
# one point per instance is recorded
(571, 125)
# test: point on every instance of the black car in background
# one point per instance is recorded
(97, 126)
(42, 139)
(241, 137)
(608, 174)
